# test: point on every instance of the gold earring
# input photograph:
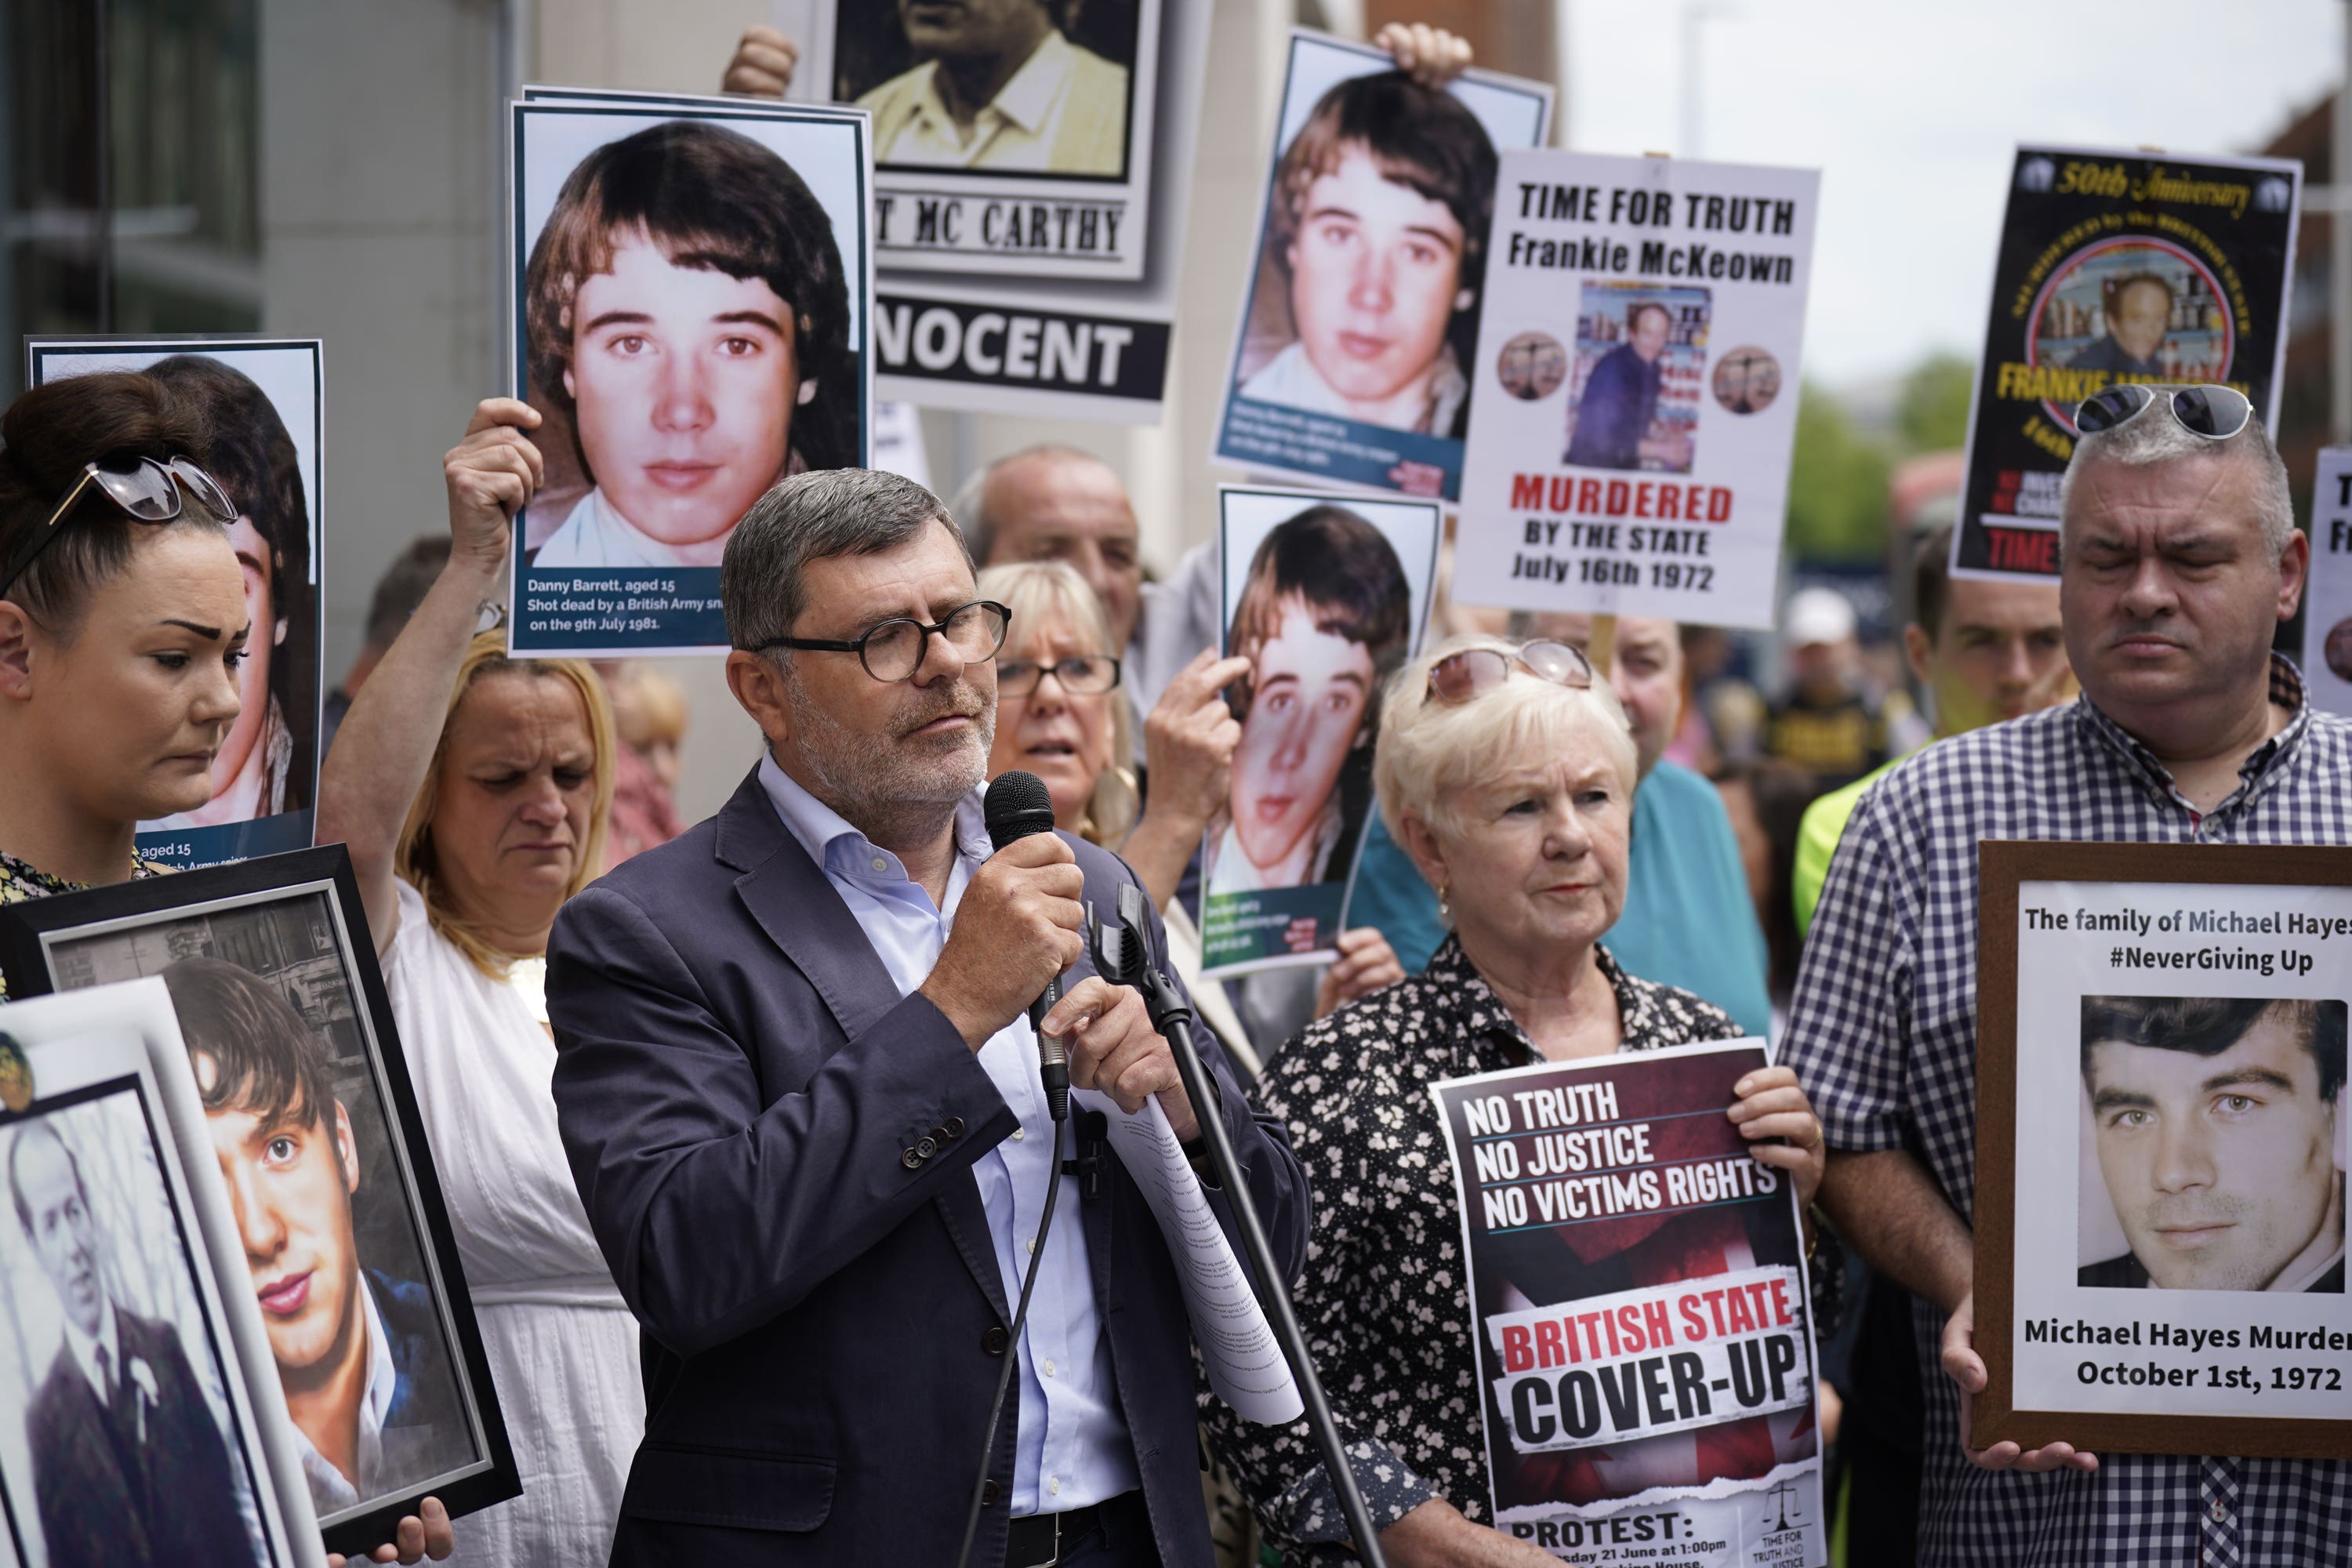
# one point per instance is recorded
(1444, 910)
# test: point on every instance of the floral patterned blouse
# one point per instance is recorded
(20, 882)
(1383, 1300)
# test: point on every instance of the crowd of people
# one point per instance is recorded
(739, 1123)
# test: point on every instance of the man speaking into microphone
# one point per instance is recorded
(800, 1092)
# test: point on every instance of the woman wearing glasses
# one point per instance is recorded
(1507, 773)
(474, 791)
(1059, 716)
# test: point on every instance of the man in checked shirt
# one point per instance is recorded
(2180, 557)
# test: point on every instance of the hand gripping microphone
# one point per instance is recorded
(1016, 806)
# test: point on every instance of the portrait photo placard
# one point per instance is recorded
(1011, 140)
(2160, 1155)
(692, 291)
(2328, 597)
(264, 398)
(141, 1416)
(1326, 595)
(348, 1253)
(2115, 266)
(1353, 362)
(1641, 1312)
(1636, 378)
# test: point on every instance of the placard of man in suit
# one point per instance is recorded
(128, 1466)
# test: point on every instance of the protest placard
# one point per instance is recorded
(673, 391)
(2328, 598)
(1637, 387)
(2115, 266)
(1327, 596)
(1009, 141)
(1014, 328)
(1639, 1304)
(1350, 365)
(265, 399)
(2162, 1037)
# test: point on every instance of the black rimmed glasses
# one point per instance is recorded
(149, 492)
(1475, 671)
(894, 649)
(2213, 413)
(1087, 675)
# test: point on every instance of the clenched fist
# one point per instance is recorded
(1017, 928)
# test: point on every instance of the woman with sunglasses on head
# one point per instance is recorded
(122, 636)
(474, 791)
(1507, 773)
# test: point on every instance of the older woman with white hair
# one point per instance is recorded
(1506, 771)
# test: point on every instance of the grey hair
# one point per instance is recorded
(811, 517)
(971, 496)
(2156, 437)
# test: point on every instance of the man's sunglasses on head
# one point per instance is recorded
(2213, 413)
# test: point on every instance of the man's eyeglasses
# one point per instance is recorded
(894, 649)
(1087, 675)
(1475, 671)
(2214, 413)
(149, 492)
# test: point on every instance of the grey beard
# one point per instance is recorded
(893, 797)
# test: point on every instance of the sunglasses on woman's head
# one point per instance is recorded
(149, 491)
(1459, 677)
(2213, 413)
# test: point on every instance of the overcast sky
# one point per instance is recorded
(1912, 111)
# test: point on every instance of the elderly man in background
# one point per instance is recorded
(1689, 919)
(2181, 559)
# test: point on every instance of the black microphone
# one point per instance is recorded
(1016, 806)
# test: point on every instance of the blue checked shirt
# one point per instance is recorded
(1882, 1035)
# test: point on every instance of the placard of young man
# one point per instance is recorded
(2181, 559)
(692, 293)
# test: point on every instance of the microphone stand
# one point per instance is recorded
(1171, 1016)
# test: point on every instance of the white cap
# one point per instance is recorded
(1817, 616)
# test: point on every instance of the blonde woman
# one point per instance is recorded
(1061, 715)
(474, 790)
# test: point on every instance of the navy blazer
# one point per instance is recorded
(745, 1100)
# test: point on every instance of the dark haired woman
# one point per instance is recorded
(122, 634)
(265, 764)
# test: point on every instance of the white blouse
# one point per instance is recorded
(563, 1345)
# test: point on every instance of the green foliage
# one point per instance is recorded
(1838, 480)
(1837, 485)
(1933, 416)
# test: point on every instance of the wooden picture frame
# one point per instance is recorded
(294, 922)
(2220, 950)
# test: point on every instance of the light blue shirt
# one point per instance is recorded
(1073, 1447)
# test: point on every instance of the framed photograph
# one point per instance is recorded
(141, 1416)
(265, 400)
(1326, 596)
(1353, 363)
(348, 1251)
(1011, 140)
(691, 299)
(2160, 1148)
